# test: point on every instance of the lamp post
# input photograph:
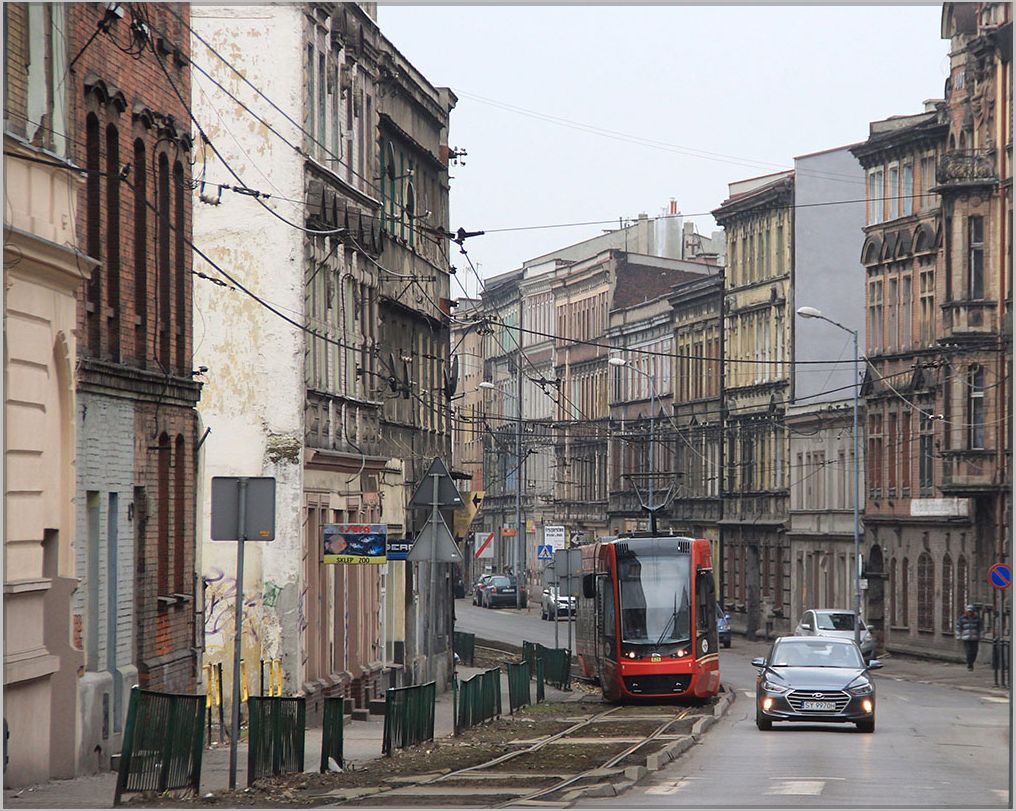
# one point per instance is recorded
(811, 312)
(615, 361)
(517, 557)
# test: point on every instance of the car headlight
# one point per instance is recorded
(860, 687)
(773, 687)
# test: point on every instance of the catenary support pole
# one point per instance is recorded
(857, 500)
(518, 566)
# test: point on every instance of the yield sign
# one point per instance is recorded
(447, 492)
(435, 543)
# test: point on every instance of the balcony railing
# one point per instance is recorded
(977, 317)
(968, 470)
(974, 166)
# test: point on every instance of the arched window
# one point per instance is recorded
(113, 240)
(411, 212)
(162, 562)
(163, 269)
(925, 593)
(947, 595)
(179, 514)
(962, 586)
(180, 194)
(893, 601)
(905, 593)
(93, 239)
(140, 177)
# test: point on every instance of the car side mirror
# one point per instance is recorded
(874, 664)
(589, 586)
(806, 626)
(758, 662)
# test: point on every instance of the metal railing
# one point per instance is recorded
(276, 736)
(1000, 662)
(409, 716)
(518, 685)
(464, 645)
(162, 743)
(478, 699)
(541, 685)
(332, 732)
(557, 663)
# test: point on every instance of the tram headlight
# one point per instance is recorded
(631, 655)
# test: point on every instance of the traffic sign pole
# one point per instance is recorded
(238, 624)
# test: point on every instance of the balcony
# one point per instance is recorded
(970, 318)
(975, 167)
(968, 470)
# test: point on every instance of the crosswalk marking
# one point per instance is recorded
(805, 787)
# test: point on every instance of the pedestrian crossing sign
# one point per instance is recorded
(544, 552)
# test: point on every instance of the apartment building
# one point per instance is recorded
(43, 272)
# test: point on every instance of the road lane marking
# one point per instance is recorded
(668, 787)
(995, 699)
(797, 787)
(749, 694)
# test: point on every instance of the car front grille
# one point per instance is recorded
(796, 698)
(658, 684)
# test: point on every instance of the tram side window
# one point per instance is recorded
(704, 612)
(607, 614)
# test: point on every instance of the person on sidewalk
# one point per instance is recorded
(968, 631)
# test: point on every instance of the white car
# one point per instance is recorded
(553, 605)
(835, 623)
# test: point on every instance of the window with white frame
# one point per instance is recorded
(875, 196)
(908, 189)
(894, 192)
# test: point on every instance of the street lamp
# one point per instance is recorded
(517, 555)
(811, 312)
(618, 362)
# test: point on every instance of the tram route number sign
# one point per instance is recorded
(1000, 576)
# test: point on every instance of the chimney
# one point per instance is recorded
(673, 207)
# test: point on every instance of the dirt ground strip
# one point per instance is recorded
(475, 746)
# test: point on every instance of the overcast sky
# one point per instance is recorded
(723, 92)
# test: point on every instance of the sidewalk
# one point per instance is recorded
(916, 669)
(362, 742)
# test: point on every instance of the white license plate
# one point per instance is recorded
(818, 705)
(507, 591)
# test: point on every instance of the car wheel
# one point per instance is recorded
(543, 614)
(726, 643)
(868, 725)
(763, 724)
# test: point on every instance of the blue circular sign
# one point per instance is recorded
(1000, 576)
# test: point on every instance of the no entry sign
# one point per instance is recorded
(1000, 576)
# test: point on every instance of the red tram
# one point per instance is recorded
(646, 619)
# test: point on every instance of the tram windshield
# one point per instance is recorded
(654, 596)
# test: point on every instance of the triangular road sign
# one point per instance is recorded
(447, 492)
(435, 543)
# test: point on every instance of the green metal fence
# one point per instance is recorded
(276, 736)
(162, 743)
(409, 716)
(464, 645)
(518, 685)
(331, 732)
(556, 665)
(529, 654)
(478, 699)
(541, 686)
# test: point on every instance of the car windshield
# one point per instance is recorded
(655, 604)
(835, 621)
(815, 653)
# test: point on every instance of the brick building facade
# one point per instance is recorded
(137, 424)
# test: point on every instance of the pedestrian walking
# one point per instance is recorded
(968, 631)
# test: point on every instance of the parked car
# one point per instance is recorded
(553, 604)
(478, 588)
(501, 589)
(835, 623)
(815, 680)
(723, 626)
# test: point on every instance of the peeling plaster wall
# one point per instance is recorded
(253, 395)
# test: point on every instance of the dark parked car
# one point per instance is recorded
(723, 626)
(478, 588)
(501, 589)
(815, 679)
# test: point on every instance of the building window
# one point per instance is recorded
(892, 455)
(875, 455)
(181, 193)
(179, 516)
(927, 182)
(163, 269)
(975, 408)
(905, 593)
(894, 192)
(925, 593)
(906, 313)
(140, 178)
(162, 563)
(893, 594)
(962, 586)
(927, 454)
(876, 193)
(875, 313)
(947, 595)
(93, 238)
(906, 463)
(908, 189)
(975, 241)
(113, 240)
(892, 311)
(927, 293)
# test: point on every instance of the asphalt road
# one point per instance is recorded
(510, 625)
(933, 746)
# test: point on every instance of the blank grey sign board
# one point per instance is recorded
(259, 521)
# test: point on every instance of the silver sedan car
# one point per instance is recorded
(554, 605)
(835, 623)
